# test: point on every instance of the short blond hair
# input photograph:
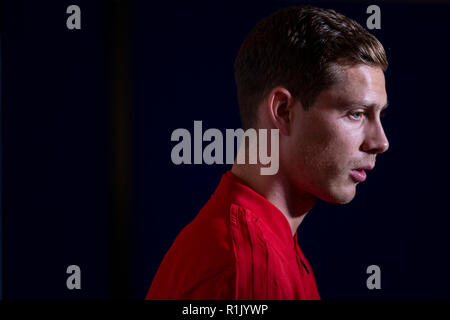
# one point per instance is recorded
(297, 48)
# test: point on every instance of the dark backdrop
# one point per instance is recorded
(87, 117)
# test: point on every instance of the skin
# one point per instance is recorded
(320, 147)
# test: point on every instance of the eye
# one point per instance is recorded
(356, 115)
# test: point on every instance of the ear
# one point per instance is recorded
(280, 105)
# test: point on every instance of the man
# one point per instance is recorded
(317, 77)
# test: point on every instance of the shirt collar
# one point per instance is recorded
(242, 195)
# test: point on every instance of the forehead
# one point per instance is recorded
(357, 85)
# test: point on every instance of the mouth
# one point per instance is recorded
(358, 175)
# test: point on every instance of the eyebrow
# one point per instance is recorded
(368, 105)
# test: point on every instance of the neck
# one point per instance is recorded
(276, 189)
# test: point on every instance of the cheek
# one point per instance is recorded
(330, 151)
(309, 151)
(321, 148)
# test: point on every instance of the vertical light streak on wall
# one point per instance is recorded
(119, 145)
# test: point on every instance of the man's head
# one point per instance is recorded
(318, 76)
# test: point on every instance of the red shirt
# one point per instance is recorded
(239, 246)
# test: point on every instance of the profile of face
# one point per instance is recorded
(331, 145)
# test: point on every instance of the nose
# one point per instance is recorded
(375, 141)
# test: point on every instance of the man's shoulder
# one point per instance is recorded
(207, 237)
(201, 261)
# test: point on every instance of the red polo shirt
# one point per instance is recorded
(239, 246)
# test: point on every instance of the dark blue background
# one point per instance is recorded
(55, 111)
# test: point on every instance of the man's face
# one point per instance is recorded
(340, 134)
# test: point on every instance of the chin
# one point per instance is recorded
(339, 196)
(346, 198)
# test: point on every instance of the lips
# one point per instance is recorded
(359, 175)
